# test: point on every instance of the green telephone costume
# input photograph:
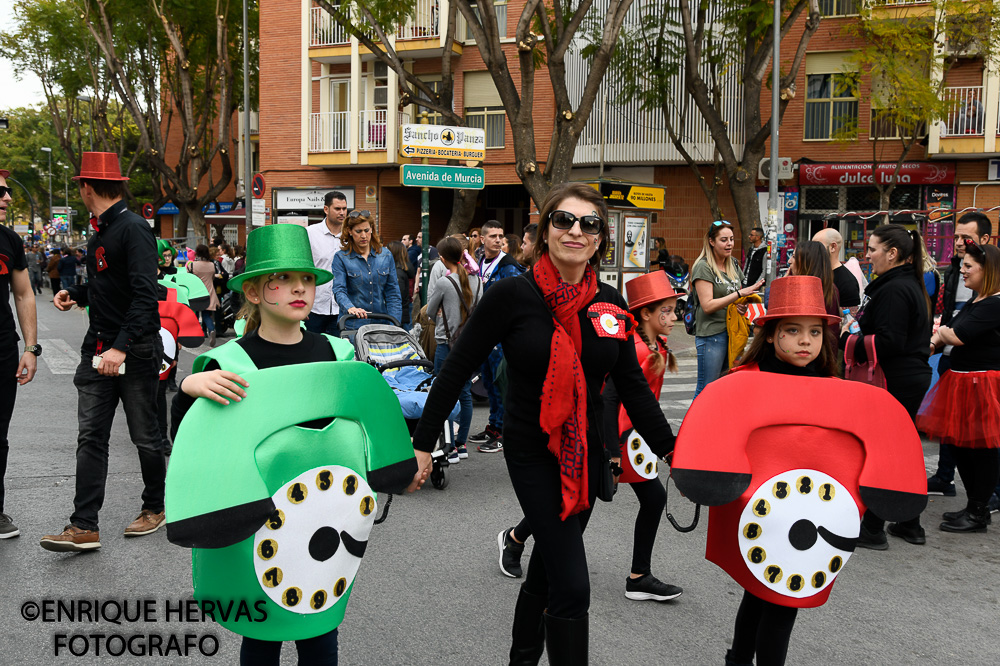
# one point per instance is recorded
(196, 292)
(278, 515)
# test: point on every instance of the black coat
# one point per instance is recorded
(895, 312)
(952, 275)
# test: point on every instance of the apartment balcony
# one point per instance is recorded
(419, 37)
(331, 143)
(971, 127)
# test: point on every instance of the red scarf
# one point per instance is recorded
(564, 393)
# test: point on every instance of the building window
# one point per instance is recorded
(433, 118)
(831, 106)
(490, 118)
(830, 8)
(501, 9)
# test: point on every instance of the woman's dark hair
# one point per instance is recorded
(760, 349)
(451, 252)
(910, 249)
(554, 199)
(987, 256)
(201, 253)
(347, 241)
(399, 254)
(812, 258)
(514, 246)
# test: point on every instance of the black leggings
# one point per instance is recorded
(762, 628)
(979, 469)
(558, 565)
(8, 393)
(909, 394)
(652, 499)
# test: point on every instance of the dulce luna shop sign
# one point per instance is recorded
(910, 173)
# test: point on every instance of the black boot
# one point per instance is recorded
(975, 519)
(566, 640)
(528, 632)
(731, 661)
(950, 516)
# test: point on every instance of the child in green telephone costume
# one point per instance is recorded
(279, 513)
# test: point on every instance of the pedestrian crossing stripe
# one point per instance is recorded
(59, 356)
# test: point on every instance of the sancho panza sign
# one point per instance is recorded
(459, 143)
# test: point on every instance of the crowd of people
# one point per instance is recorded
(572, 369)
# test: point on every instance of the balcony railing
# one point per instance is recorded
(373, 128)
(968, 117)
(423, 23)
(324, 31)
(329, 132)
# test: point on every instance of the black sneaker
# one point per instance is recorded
(494, 445)
(649, 588)
(938, 486)
(872, 540)
(510, 554)
(483, 437)
(994, 504)
(7, 527)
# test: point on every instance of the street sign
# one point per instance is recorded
(147, 211)
(433, 175)
(257, 213)
(458, 143)
(258, 186)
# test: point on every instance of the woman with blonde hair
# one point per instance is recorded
(364, 272)
(717, 281)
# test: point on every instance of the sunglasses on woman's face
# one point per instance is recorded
(4, 191)
(589, 224)
(719, 223)
(359, 213)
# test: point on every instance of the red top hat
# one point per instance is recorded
(4, 173)
(100, 166)
(649, 288)
(797, 296)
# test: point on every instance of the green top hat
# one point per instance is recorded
(276, 248)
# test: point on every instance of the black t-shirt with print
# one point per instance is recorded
(977, 325)
(11, 259)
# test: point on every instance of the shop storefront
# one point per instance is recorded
(843, 195)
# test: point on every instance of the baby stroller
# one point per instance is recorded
(401, 360)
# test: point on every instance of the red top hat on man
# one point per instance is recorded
(100, 166)
(649, 288)
(797, 296)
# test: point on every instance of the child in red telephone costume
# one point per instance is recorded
(789, 481)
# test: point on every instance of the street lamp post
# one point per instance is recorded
(49, 151)
(90, 107)
(31, 203)
(69, 213)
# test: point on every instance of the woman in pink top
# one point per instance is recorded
(204, 268)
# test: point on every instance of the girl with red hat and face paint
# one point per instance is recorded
(786, 481)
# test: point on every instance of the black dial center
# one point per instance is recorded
(324, 544)
(802, 534)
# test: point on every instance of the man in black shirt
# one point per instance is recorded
(754, 267)
(843, 279)
(120, 357)
(13, 278)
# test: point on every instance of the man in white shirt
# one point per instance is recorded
(324, 239)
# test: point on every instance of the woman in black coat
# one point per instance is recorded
(897, 311)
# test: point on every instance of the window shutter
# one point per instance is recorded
(826, 63)
(480, 90)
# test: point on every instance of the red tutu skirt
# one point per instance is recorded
(963, 409)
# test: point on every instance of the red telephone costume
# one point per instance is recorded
(178, 324)
(788, 481)
(639, 463)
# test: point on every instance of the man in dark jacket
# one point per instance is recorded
(124, 331)
(975, 227)
(67, 269)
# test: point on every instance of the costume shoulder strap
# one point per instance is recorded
(230, 356)
(343, 350)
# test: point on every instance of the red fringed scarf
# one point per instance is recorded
(564, 393)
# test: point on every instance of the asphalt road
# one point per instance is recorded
(430, 591)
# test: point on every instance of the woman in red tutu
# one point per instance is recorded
(963, 409)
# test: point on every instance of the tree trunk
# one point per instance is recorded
(745, 201)
(196, 220)
(463, 207)
(182, 223)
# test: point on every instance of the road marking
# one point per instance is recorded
(59, 356)
(675, 404)
(197, 351)
(678, 388)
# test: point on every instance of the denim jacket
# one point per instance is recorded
(368, 284)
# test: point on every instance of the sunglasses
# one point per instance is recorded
(719, 223)
(589, 224)
(4, 191)
(359, 213)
